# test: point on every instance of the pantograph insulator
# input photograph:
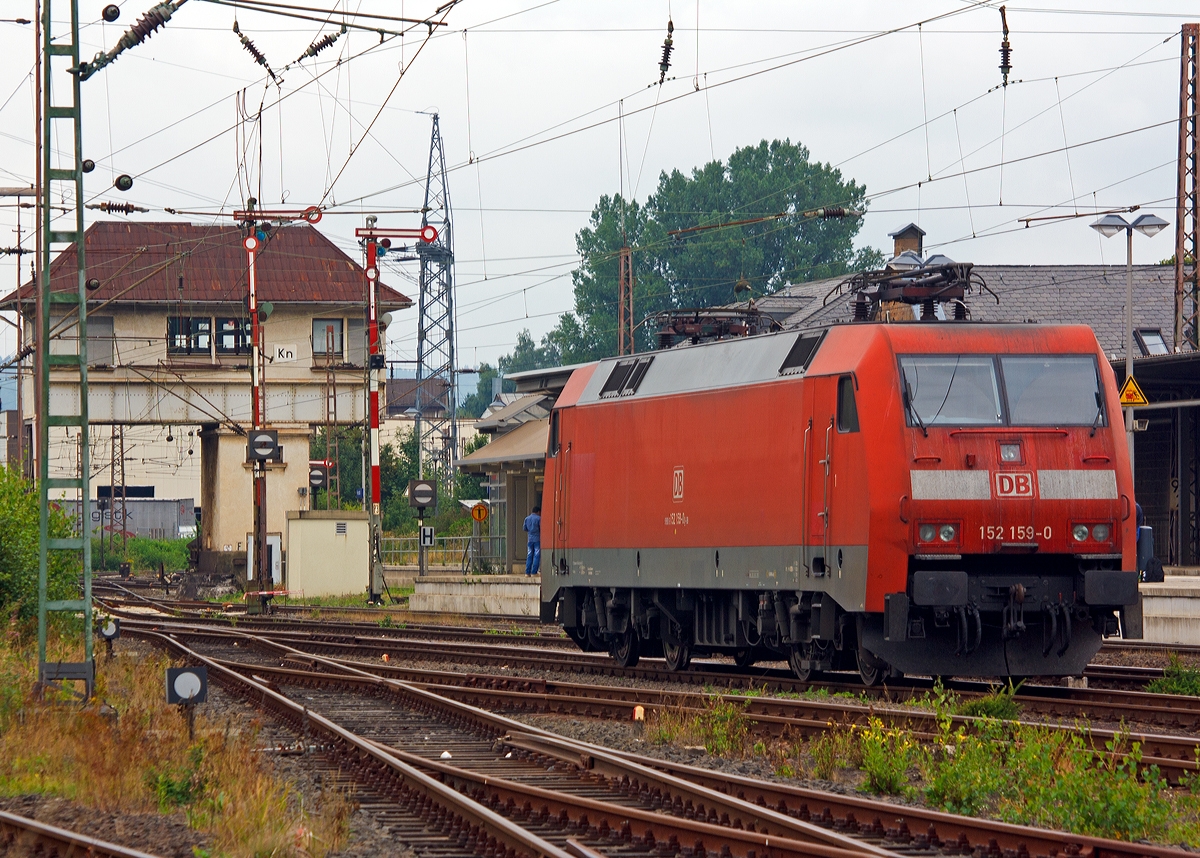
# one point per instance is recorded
(117, 208)
(254, 51)
(135, 35)
(320, 45)
(668, 45)
(1005, 48)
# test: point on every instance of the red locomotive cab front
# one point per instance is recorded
(1019, 520)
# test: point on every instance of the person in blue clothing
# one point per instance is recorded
(533, 554)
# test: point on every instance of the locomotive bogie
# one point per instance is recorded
(923, 498)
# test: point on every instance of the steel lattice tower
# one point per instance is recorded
(1186, 291)
(60, 169)
(436, 399)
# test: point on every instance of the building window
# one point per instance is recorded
(1151, 341)
(233, 336)
(188, 335)
(321, 336)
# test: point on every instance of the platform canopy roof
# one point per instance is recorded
(170, 263)
(524, 448)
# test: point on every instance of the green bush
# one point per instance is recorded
(1000, 703)
(19, 548)
(886, 754)
(1177, 678)
(143, 554)
(723, 727)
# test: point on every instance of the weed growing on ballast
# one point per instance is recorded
(1177, 678)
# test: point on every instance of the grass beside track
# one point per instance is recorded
(1000, 769)
(139, 759)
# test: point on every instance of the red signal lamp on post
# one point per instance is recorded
(375, 240)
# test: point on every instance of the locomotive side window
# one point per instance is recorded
(951, 390)
(554, 442)
(847, 410)
(626, 377)
(801, 353)
(1052, 390)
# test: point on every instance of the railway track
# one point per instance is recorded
(20, 835)
(1165, 711)
(584, 799)
(802, 715)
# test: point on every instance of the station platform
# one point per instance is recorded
(1171, 609)
(502, 595)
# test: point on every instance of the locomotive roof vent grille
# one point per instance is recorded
(626, 377)
(801, 353)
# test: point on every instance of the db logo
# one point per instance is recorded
(1014, 485)
(677, 486)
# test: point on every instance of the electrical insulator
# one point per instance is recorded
(1005, 48)
(668, 46)
(320, 45)
(124, 182)
(111, 12)
(135, 35)
(254, 51)
(117, 208)
(92, 284)
(88, 165)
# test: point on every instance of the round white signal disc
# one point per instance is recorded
(187, 685)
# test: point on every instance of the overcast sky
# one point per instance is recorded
(534, 89)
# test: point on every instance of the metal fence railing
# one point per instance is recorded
(482, 553)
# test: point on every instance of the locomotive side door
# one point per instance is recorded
(837, 493)
(818, 473)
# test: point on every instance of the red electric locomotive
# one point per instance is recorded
(930, 497)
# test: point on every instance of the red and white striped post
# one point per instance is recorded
(376, 363)
(253, 243)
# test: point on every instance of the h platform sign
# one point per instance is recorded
(427, 537)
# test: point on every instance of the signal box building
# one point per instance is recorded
(169, 345)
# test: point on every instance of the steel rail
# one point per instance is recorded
(478, 817)
(920, 827)
(1173, 755)
(37, 838)
(1171, 711)
(957, 833)
(759, 836)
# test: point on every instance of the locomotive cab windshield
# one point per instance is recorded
(1001, 390)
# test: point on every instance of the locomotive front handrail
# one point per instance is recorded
(1009, 430)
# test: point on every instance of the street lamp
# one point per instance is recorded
(1108, 226)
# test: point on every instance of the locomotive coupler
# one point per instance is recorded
(1013, 615)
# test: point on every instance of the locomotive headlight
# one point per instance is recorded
(1100, 532)
(926, 532)
(1080, 532)
(1010, 452)
(947, 532)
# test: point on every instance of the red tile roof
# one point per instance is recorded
(138, 262)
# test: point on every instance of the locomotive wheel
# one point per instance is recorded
(624, 649)
(744, 658)
(580, 636)
(871, 669)
(678, 656)
(795, 655)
